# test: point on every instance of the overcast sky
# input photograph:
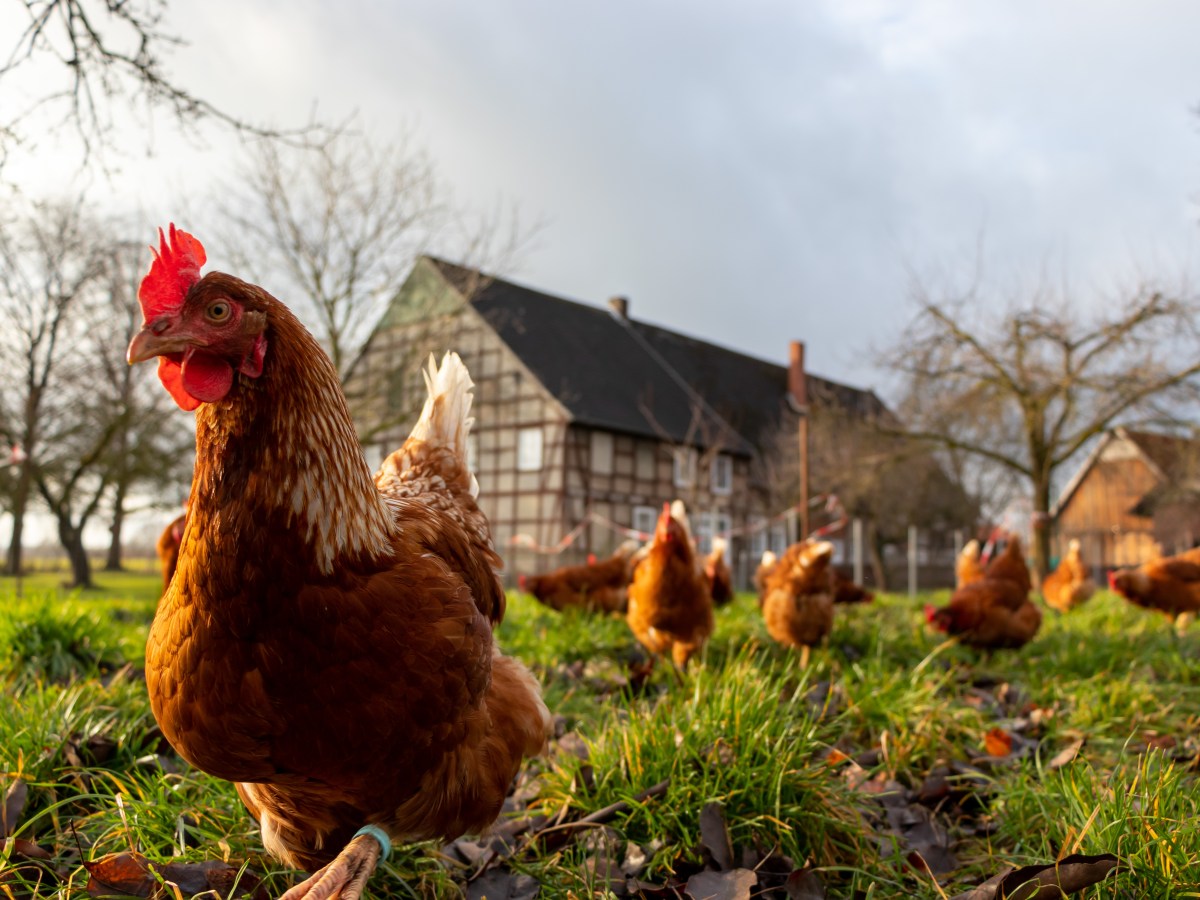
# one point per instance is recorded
(747, 172)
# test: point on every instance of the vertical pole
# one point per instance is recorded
(912, 560)
(805, 531)
(958, 543)
(856, 536)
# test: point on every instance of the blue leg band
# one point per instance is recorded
(380, 835)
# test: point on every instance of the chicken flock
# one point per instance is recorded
(325, 636)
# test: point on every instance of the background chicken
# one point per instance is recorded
(602, 586)
(167, 548)
(765, 566)
(670, 608)
(716, 570)
(968, 568)
(1069, 585)
(995, 611)
(798, 597)
(1171, 586)
(845, 590)
(326, 642)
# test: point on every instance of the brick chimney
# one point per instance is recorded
(620, 306)
(797, 380)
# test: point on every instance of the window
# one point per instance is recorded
(473, 452)
(644, 519)
(722, 526)
(529, 449)
(685, 467)
(778, 539)
(602, 452)
(722, 474)
(704, 532)
(644, 464)
(757, 526)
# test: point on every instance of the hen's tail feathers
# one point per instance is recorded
(445, 420)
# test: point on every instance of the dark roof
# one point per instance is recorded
(1177, 457)
(630, 376)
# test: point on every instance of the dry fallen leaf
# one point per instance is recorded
(733, 885)
(1064, 756)
(1051, 882)
(498, 884)
(14, 805)
(714, 835)
(805, 884)
(998, 742)
(132, 875)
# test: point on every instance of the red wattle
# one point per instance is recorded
(207, 378)
(170, 373)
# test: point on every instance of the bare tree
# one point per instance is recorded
(332, 229)
(1025, 385)
(90, 56)
(150, 451)
(887, 480)
(47, 264)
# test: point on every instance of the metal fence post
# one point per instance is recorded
(856, 537)
(912, 560)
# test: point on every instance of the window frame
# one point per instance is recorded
(595, 454)
(722, 461)
(683, 467)
(524, 451)
(651, 517)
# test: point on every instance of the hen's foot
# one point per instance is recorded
(1182, 621)
(344, 878)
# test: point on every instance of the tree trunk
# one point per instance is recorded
(1041, 530)
(81, 567)
(113, 563)
(21, 493)
(878, 569)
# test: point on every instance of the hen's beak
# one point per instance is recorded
(146, 344)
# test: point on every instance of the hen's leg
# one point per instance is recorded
(344, 878)
(805, 652)
(1182, 621)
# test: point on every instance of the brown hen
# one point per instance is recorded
(967, 568)
(995, 611)
(601, 586)
(1171, 586)
(670, 609)
(1069, 585)
(716, 570)
(167, 548)
(798, 596)
(326, 642)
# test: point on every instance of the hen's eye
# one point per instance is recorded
(218, 311)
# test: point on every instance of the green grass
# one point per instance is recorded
(746, 728)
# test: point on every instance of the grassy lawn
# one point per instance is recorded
(891, 756)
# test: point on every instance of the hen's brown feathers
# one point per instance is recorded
(670, 610)
(967, 567)
(327, 643)
(1171, 585)
(995, 611)
(167, 548)
(1069, 585)
(602, 586)
(798, 595)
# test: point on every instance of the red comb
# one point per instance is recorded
(930, 612)
(175, 269)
